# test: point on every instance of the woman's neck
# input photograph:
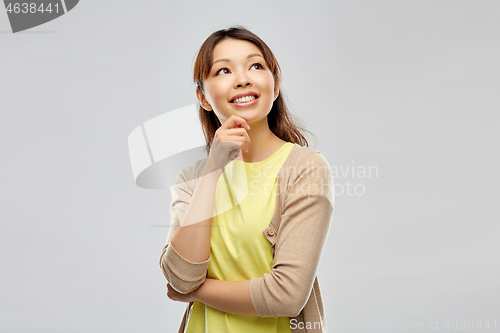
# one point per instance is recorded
(264, 142)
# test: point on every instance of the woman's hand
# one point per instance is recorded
(175, 296)
(229, 140)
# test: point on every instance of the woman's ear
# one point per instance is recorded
(203, 101)
(276, 91)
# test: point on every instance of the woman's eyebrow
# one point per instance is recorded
(248, 57)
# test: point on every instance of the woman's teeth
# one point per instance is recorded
(244, 99)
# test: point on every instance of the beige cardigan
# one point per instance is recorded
(297, 232)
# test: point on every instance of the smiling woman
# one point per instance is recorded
(246, 261)
(221, 63)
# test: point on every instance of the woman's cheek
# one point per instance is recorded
(216, 96)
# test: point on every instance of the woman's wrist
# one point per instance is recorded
(209, 170)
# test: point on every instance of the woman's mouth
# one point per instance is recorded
(245, 101)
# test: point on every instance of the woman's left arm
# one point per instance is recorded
(228, 296)
(300, 239)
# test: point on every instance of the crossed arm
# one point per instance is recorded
(228, 296)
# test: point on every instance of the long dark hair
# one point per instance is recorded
(282, 123)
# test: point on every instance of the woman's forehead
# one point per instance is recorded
(230, 49)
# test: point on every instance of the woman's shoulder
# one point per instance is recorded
(304, 160)
(303, 155)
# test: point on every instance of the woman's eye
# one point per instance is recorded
(220, 70)
(226, 70)
(258, 65)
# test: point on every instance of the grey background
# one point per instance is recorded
(411, 87)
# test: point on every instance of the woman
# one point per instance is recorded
(243, 249)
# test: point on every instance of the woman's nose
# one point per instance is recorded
(242, 80)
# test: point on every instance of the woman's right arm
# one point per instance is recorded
(186, 255)
(192, 239)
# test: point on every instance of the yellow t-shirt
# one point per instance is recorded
(245, 199)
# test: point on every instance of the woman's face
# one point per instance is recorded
(238, 69)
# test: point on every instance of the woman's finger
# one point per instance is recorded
(239, 132)
(235, 120)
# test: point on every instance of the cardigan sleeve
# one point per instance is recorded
(183, 275)
(305, 223)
